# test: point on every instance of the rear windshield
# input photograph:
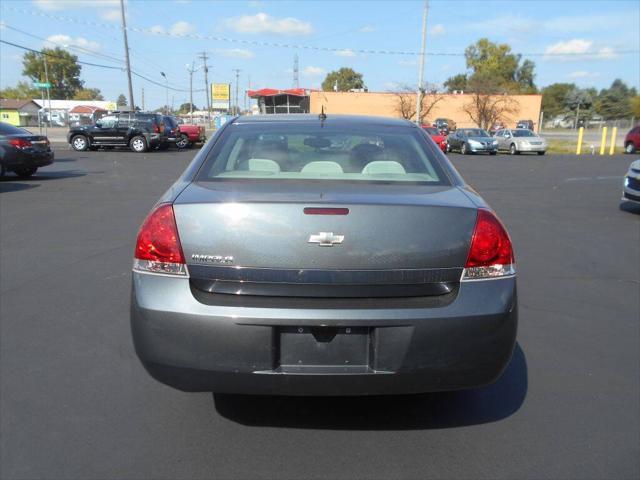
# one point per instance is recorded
(288, 151)
(171, 122)
(6, 129)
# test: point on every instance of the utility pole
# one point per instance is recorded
(126, 55)
(143, 99)
(296, 77)
(421, 72)
(166, 89)
(191, 70)
(204, 58)
(237, 106)
(46, 79)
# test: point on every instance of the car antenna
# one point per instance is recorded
(322, 116)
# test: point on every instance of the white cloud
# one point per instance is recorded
(235, 53)
(313, 71)
(577, 49)
(437, 30)
(345, 53)
(111, 15)
(367, 29)
(263, 23)
(582, 74)
(62, 40)
(158, 30)
(182, 28)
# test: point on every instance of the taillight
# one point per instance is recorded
(20, 143)
(491, 252)
(156, 129)
(158, 247)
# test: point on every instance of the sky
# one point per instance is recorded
(590, 43)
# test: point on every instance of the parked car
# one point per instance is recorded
(631, 187)
(436, 136)
(140, 131)
(191, 135)
(471, 140)
(495, 127)
(444, 125)
(297, 267)
(519, 140)
(526, 124)
(23, 152)
(632, 140)
(171, 132)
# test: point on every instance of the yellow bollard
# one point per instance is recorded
(603, 141)
(580, 134)
(614, 133)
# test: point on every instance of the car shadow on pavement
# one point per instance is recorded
(630, 207)
(8, 186)
(403, 412)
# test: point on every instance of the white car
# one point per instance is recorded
(631, 187)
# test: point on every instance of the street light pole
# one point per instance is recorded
(166, 90)
(421, 72)
(237, 106)
(126, 55)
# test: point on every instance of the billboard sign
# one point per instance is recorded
(220, 96)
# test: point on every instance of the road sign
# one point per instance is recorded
(41, 85)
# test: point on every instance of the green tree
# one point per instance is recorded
(184, 108)
(635, 106)
(615, 102)
(457, 82)
(345, 79)
(88, 94)
(22, 90)
(553, 98)
(496, 67)
(121, 101)
(63, 69)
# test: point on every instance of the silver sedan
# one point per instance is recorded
(519, 140)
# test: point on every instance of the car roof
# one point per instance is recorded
(331, 119)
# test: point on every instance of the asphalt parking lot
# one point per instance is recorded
(76, 404)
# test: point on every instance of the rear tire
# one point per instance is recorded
(630, 148)
(493, 153)
(138, 144)
(26, 172)
(183, 142)
(541, 153)
(3, 170)
(79, 143)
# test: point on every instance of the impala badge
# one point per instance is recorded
(326, 239)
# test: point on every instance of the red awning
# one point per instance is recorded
(86, 109)
(270, 92)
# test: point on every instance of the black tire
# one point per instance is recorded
(630, 148)
(541, 153)
(80, 143)
(183, 142)
(493, 153)
(3, 170)
(463, 149)
(138, 144)
(26, 172)
(513, 150)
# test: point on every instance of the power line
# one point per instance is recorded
(257, 43)
(111, 67)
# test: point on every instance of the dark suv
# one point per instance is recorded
(138, 130)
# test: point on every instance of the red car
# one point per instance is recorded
(436, 136)
(632, 140)
(190, 134)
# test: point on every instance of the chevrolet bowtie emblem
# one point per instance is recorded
(326, 239)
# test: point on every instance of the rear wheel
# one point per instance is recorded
(26, 172)
(513, 150)
(630, 148)
(138, 144)
(183, 142)
(493, 153)
(541, 153)
(463, 149)
(79, 143)
(3, 170)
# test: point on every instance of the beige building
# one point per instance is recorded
(524, 107)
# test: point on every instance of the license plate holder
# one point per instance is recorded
(317, 347)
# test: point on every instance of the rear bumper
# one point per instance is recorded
(196, 347)
(18, 159)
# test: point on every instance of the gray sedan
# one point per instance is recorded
(306, 255)
(518, 140)
(471, 140)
